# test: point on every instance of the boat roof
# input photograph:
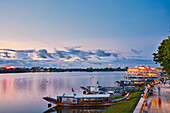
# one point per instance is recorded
(125, 80)
(84, 96)
(93, 96)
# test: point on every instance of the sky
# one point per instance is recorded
(126, 26)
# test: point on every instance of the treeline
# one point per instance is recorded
(33, 69)
(41, 69)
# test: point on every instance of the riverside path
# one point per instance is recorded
(160, 103)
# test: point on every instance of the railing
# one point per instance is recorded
(140, 103)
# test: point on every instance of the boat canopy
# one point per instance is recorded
(126, 80)
(93, 96)
(85, 96)
(66, 95)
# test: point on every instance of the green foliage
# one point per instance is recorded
(163, 55)
(125, 106)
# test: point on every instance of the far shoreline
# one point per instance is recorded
(11, 69)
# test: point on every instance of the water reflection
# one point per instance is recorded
(23, 92)
(76, 110)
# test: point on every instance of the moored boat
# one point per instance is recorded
(92, 100)
(100, 89)
(127, 82)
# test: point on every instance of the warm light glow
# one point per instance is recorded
(9, 67)
(144, 71)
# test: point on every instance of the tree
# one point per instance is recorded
(163, 55)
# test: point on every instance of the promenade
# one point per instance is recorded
(155, 106)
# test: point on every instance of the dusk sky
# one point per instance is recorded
(118, 25)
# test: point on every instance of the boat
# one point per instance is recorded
(91, 100)
(144, 71)
(101, 90)
(90, 89)
(130, 82)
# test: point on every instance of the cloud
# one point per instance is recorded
(136, 56)
(102, 53)
(43, 54)
(70, 58)
(115, 54)
(96, 63)
(6, 55)
(86, 55)
(73, 47)
(77, 46)
(26, 51)
(136, 51)
(80, 53)
(22, 56)
(62, 54)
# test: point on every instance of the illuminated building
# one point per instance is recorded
(144, 71)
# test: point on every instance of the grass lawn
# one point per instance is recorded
(125, 106)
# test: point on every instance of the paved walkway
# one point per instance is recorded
(164, 106)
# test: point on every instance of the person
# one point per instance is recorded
(145, 92)
(164, 82)
(149, 100)
(159, 101)
(155, 101)
(159, 90)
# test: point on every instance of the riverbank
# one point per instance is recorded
(125, 106)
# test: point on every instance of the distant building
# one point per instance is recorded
(144, 71)
(9, 67)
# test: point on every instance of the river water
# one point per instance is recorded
(23, 92)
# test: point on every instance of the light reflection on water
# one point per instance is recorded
(76, 110)
(23, 92)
